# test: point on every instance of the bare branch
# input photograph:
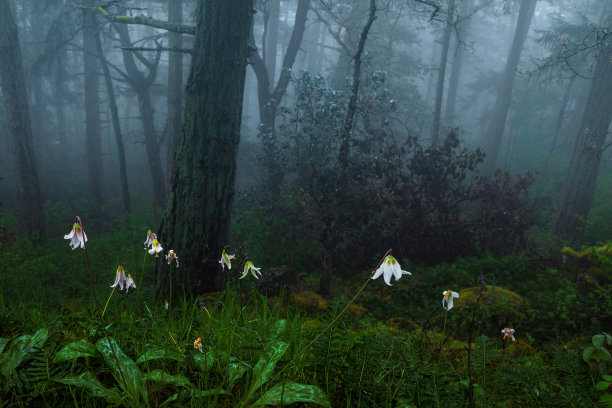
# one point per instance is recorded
(141, 20)
(171, 49)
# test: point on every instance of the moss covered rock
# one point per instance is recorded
(310, 301)
(491, 296)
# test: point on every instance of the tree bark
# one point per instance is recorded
(453, 82)
(12, 81)
(141, 85)
(271, 40)
(92, 109)
(197, 221)
(175, 84)
(112, 104)
(495, 130)
(581, 180)
(435, 131)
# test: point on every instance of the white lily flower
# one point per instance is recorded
(119, 278)
(226, 260)
(172, 257)
(150, 237)
(155, 248)
(129, 282)
(447, 299)
(166, 304)
(508, 332)
(250, 267)
(390, 267)
(77, 237)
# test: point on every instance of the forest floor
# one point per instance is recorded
(395, 346)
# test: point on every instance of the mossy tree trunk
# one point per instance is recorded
(92, 109)
(581, 180)
(197, 220)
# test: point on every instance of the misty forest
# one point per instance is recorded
(336, 203)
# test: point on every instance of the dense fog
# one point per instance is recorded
(521, 87)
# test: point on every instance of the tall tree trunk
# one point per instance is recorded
(12, 80)
(141, 84)
(579, 187)
(435, 131)
(314, 48)
(197, 221)
(175, 84)
(112, 104)
(453, 82)
(560, 117)
(495, 130)
(269, 101)
(271, 41)
(92, 108)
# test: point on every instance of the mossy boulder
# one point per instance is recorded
(497, 306)
(310, 301)
(593, 261)
(357, 310)
(403, 323)
(491, 296)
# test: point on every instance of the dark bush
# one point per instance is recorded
(427, 203)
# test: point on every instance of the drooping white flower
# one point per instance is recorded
(172, 256)
(447, 299)
(119, 278)
(390, 267)
(129, 282)
(155, 248)
(226, 260)
(166, 304)
(250, 267)
(508, 332)
(150, 237)
(77, 237)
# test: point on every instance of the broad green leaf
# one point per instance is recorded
(602, 385)
(235, 371)
(265, 366)
(19, 351)
(280, 327)
(89, 382)
(608, 339)
(601, 354)
(606, 398)
(74, 350)
(608, 378)
(167, 379)
(127, 369)
(587, 353)
(194, 394)
(155, 354)
(204, 362)
(291, 393)
(598, 340)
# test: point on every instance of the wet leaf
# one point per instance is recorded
(89, 382)
(291, 393)
(75, 350)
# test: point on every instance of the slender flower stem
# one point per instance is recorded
(97, 304)
(144, 260)
(108, 300)
(170, 299)
(333, 321)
